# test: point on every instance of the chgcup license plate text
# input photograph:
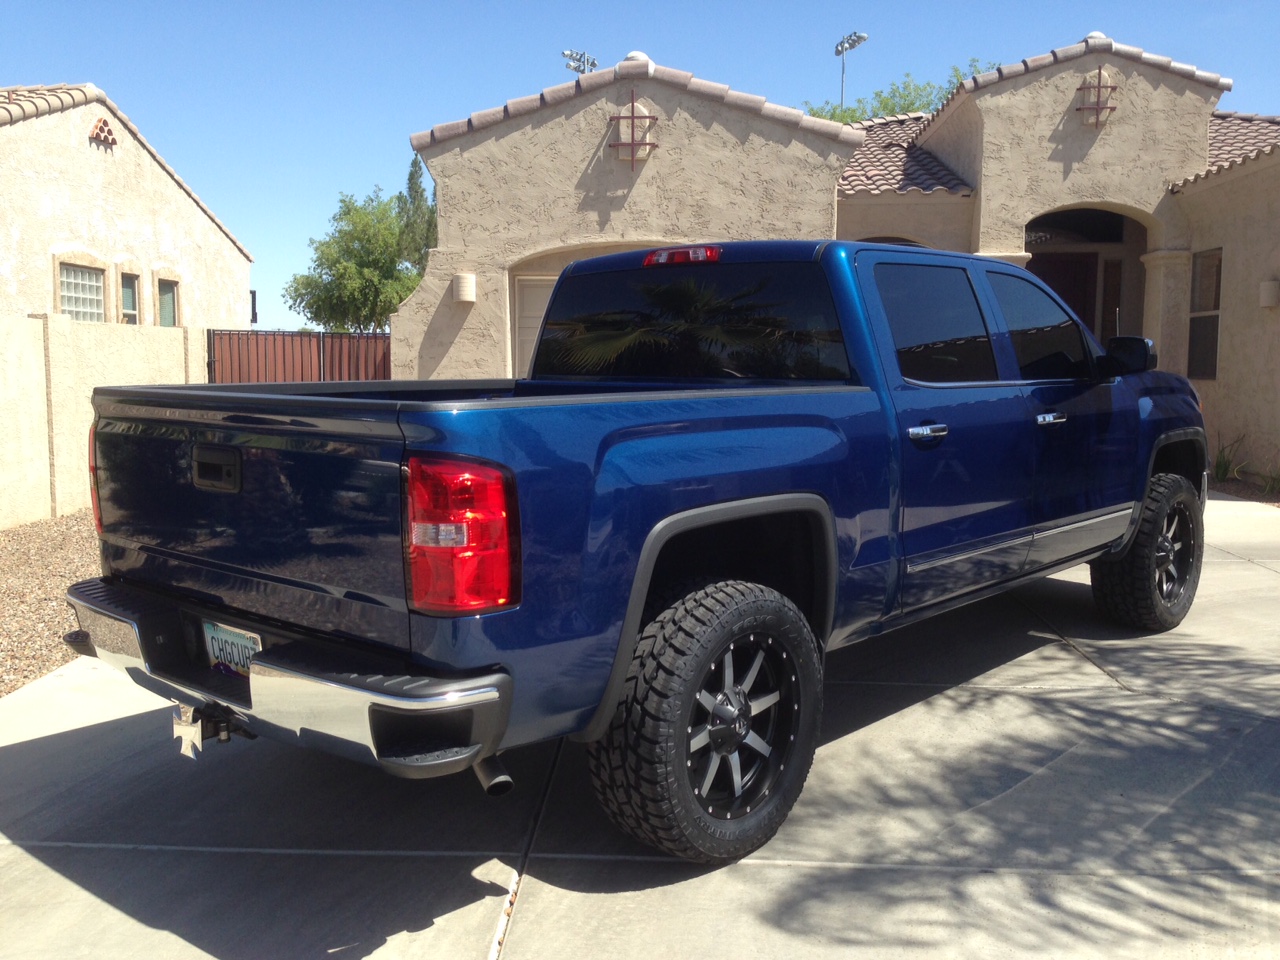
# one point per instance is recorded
(230, 649)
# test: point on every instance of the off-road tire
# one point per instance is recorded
(654, 771)
(1151, 585)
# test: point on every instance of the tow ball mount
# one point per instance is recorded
(194, 725)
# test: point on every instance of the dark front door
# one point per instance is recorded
(1086, 428)
(967, 439)
(1073, 277)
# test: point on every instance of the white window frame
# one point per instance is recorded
(82, 291)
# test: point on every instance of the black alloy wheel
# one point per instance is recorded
(1152, 584)
(743, 725)
(713, 738)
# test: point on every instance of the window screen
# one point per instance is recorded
(937, 327)
(80, 290)
(168, 305)
(1047, 342)
(129, 298)
(707, 321)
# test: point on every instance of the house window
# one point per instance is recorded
(167, 303)
(80, 290)
(129, 298)
(1206, 297)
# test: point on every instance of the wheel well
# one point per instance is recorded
(785, 551)
(1183, 457)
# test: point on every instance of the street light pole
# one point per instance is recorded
(846, 44)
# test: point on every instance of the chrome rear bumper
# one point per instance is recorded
(410, 725)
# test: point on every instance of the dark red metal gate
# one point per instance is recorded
(278, 356)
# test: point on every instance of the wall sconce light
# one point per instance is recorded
(1269, 293)
(464, 288)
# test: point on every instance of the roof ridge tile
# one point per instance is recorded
(638, 69)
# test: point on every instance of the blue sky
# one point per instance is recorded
(269, 110)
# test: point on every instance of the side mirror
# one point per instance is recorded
(1127, 355)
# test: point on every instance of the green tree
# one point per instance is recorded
(418, 218)
(907, 95)
(359, 273)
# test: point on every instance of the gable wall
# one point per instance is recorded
(549, 182)
(1040, 154)
(113, 208)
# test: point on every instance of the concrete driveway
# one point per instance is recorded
(1014, 779)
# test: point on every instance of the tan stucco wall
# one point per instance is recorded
(24, 468)
(1040, 154)
(1239, 211)
(48, 369)
(939, 220)
(549, 182)
(113, 208)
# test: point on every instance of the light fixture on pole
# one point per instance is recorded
(579, 61)
(844, 46)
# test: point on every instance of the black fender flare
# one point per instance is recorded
(806, 503)
(1194, 434)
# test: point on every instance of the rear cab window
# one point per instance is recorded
(733, 323)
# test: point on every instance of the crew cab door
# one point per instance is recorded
(965, 438)
(1086, 428)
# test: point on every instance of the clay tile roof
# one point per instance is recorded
(889, 161)
(1235, 138)
(1094, 43)
(25, 103)
(1238, 136)
(638, 69)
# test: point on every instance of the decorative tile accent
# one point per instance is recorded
(102, 133)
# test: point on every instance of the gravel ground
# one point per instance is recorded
(40, 560)
(43, 558)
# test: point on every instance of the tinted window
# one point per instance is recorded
(1047, 342)
(706, 321)
(937, 326)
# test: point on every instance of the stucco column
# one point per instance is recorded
(1166, 305)
(1018, 259)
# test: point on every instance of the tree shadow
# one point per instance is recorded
(976, 782)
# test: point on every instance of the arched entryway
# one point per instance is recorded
(1092, 258)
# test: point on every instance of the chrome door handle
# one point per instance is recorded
(932, 431)
(1050, 419)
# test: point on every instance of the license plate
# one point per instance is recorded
(230, 649)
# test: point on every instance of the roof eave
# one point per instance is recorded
(588, 83)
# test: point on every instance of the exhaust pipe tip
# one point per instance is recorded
(493, 777)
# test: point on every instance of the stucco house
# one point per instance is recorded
(111, 268)
(99, 227)
(1104, 169)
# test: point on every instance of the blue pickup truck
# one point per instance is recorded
(728, 460)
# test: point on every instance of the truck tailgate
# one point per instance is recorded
(292, 515)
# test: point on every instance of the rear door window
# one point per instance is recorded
(1048, 343)
(938, 330)
(703, 321)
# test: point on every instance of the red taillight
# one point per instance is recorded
(701, 254)
(460, 541)
(93, 477)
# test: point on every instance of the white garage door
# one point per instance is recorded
(532, 294)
